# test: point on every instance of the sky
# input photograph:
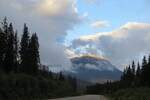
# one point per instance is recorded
(118, 30)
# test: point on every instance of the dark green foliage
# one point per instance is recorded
(138, 71)
(24, 51)
(73, 83)
(34, 54)
(131, 78)
(132, 94)
(144, 72)
(16, 54)
(22, 77)
(28, 87)
(9, 53)
(3, 42)
(61, 77)
(2, 51)
(133, 69)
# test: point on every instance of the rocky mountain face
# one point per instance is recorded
(93, 69)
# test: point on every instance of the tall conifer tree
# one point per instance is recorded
(2, 48)
(138, 71)
(9, 54)
(24, 52)
(34, 54)
(16, 55)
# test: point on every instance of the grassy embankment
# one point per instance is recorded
(132, 94)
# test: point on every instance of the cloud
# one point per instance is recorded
(50, 19)
(91, 66)
(85, 16)
(99, 24)
(89, 1)
(120, 46)
(70, 53)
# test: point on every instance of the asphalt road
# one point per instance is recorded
(85, 97)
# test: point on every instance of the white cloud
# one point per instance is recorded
(92, 66)
(70, 53)
(89, 1)
(85, 16)
(99, 24)
(51, 19)
(120, 46)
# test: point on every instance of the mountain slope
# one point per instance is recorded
(94, 69)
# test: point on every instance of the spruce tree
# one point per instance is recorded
(144, 76)
(2, 48)
(24, 52)
(9, 54)
(61, 77)
(138, 71)
(74, 84)
(34, 54)
(148, 72)
(3, 41)
(16, 55)
(133, 69)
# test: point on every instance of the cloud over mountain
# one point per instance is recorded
(121, 46)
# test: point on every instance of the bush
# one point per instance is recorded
(133, 94)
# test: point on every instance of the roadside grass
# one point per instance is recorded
(132, 94)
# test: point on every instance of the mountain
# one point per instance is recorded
(93, 69)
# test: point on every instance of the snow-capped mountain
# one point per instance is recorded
(94, 69)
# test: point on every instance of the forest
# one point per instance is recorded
(135, 77)
(22, 76)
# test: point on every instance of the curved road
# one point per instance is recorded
(85, 97)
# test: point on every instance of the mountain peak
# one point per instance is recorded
(92, 68)
(90, 55)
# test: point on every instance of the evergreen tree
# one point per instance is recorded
(16, 48)
(3, 41)
(144, 76)
(148, 72)
(24, 52)
(9, 54)
(16, 55)
(133, 68)
(138, 71)
(61, 77)
(74, 84)
(34, 54)
(2, 48)
(5, 29)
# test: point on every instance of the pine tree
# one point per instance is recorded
(16, 48)
(138, 71)
(148, 72)
(2, 48)
(9, 54)
(24, 52)
(144, 76)
(16, 55)
(34, 54)
(5, 30)
(61, 77)
(74, 84)
(133, 69)
(3, 41)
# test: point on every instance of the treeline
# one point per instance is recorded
(133, 76)
(23, 58)
(22, 76)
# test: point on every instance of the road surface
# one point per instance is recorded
(85, 97)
